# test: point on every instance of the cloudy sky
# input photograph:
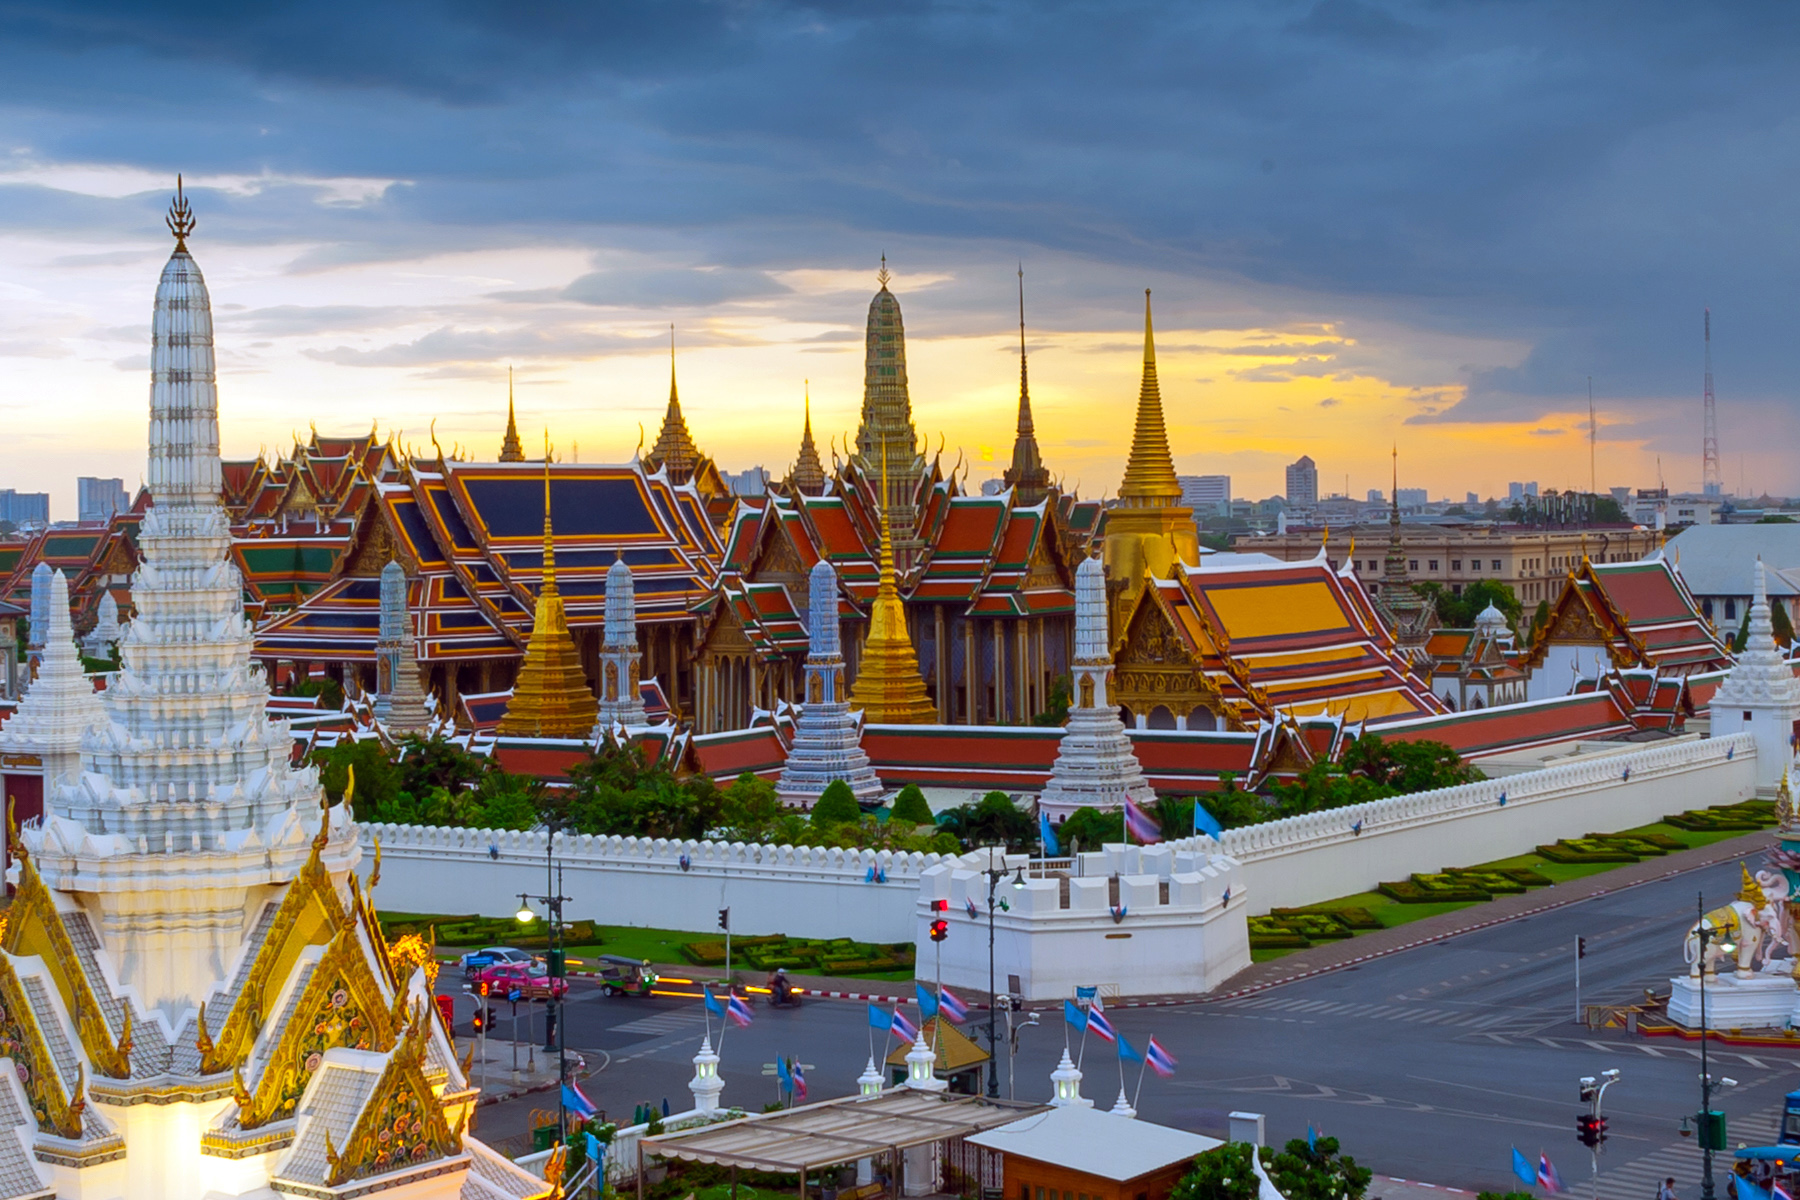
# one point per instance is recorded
(1365, 222)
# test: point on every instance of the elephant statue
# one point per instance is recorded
(1750, 926)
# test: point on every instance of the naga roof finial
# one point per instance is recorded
(882, 275)
(181, 218)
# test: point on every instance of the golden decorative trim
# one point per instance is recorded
(402, 1125)
(340, 1006)
(36, 928)
(219, 1143)
(22, 1040)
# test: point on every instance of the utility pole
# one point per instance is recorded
(1580, 953)
(1712, 482)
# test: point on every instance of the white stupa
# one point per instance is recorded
(1760, 695)
(39, 621)
(61, 706)
(621, 700)
(195, 996)
(827, 738)
(1095, 764)
(399, 700)
(104, 636)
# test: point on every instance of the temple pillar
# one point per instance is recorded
(941, 654)
(999, 672)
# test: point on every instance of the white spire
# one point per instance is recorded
(188, 777)
(1066, 1084)
(827, 741)
(1761, 675)
(822, 610)
(40, 605)
(61, 705)
(706, 1084)
(621, 699)
(621, 606)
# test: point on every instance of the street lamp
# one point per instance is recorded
(1710, 1124)
(553, 905)
(994, 876)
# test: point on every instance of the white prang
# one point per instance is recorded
(186, 804)
(1095, 764)
(399, 700)
(1760, 695)
(621, 699)
(827, 739)
(105, 635)
(39, 621)
(61, 705)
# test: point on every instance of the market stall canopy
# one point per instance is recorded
(838, 1131)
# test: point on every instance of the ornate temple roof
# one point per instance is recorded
(674, 451)
(1641, 611)
(1150, 470)
(1027, 475)
(551, 697)
(888, 687)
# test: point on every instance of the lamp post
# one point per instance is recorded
(994, 876)
(553, 905)
(1710, 1130)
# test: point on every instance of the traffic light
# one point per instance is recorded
(1600, 1128)
(1580, 947)
(1587, 1130)
(725, 919)
(483, 987)
(481, 1018)
(940, 929)
(554, 963)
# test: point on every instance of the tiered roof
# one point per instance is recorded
(1641, 611)
(470, 535)
(1285, 638)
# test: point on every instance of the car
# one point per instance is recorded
(475, 961)
(622, 976)
(503, 978)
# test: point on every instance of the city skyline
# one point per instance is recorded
(388, 229)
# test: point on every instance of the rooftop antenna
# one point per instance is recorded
(1593, 436)
(1711, 481)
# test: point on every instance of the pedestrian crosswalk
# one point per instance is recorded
(658, 1024)
(1638, 1179)
(1511, 1021)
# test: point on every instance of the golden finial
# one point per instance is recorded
(1353, 545)
(181, 218)
(125, 1042)
(673, 398)
(239, 1092)
(202, 1039)
(882, 275)
(375, 872)
(1784, 804)
(549, 538)
(13, 842)
(1751, 891)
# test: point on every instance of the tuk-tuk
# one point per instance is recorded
(622, 976)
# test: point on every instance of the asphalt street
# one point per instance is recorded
(1428, 1064)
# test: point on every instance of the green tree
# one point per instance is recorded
(1056, 711)
(1775, 519)
(1226, 1172)
(1459, 611)
(1742, 637)
(752, 811)
(1092, 828)
(1406, 766)
(836, 805)
(377, 782)
(427, 763)
(993, 818)
(1784, 628)
(1316, 1172)
(910, 807)
(1540, 617)
(1232, 807)
(616, 792)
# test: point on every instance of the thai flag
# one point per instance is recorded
(1098, 1025)
(1548, 1179)
(739, 1012)
(1141, 825)
(903, 1028)
(1776, 1191)
(576, 1102)
(970, 901)
(952, 1006)
(1159, 1060)
(799, 1079)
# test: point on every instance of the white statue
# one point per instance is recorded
(1750, 927)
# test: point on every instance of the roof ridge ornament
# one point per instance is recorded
(181, 218)
(882, 275)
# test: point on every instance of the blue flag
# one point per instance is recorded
(712, 1003)
(1205, 822)
(1047, 835)
(1074, 1016)
(928, 1003)
(879, 1019)
(1312, 1138)
(596, 1153)
(1127, 1051)
(781, 1072)
(1523, 1169)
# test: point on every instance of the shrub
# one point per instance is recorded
(910, 807)
(1226, 1172)
(836, 806)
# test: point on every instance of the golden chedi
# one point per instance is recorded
(551, 698)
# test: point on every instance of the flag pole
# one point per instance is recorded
(1142, 1067)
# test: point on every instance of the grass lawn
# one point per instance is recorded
(1392, 912)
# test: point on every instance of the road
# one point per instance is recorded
(1428, 1064)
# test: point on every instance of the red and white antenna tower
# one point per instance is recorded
(1712, 483)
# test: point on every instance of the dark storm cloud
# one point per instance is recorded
(1577, 178)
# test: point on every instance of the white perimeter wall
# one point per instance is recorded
(810, 892)
(1303, 860)
(802, 891)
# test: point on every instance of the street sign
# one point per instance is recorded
(769, 1068)
(514, 995)
(479, 960)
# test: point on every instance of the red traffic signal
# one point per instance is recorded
(940, 929)
(1587, 1130)
(940, 906)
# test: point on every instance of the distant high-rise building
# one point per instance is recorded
(1518, 491)
(24, 508)
(1377, 496)
(99, 499)
(1470, 499)
(1303, 482)
(1411, 497)
(1207, 495)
